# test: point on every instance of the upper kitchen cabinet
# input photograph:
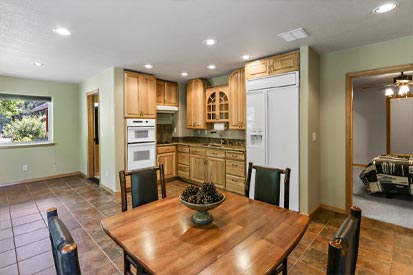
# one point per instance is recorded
(195, 104)
(237, 94)
(139, 95)
(276, 64)
(217, 104)
(167, 93)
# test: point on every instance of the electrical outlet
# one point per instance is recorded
(25, 168)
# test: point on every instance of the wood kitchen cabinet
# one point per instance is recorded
(183, 162)
(167, 93)
(276, 64)
(167, 157)
(139, 95)
(217, 104)
(235, 171)
(203, 167)
(237, 96)
(195, 104)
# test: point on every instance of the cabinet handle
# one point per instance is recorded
(214, 154)
(235, 165)
(234, 156)
(234, 180)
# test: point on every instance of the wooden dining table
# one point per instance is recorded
(246, 236)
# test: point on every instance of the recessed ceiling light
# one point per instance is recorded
(293, 35)
(62, 31)
(385, 7)
(38, 64)
(246, 57)
(210, 42)
(184, 74)
(211, 67)
(148, 66)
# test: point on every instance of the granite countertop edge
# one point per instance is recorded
(202, 144)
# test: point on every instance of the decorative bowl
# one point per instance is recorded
(201, 216)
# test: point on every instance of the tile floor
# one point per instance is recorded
(81, 204)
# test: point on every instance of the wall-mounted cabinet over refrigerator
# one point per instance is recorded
(273, 128)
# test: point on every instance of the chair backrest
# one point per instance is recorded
(144, 186)
(343, 249)
(64, 249)
(268, 184)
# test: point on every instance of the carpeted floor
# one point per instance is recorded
(398, 209)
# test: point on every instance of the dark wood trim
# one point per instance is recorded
(90, 132)
(359, 164)
(349, 121)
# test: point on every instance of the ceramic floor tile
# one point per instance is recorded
(26, 219)
(31, 237)
(33, 249)
(6, 244)
(36, 264)
(28, 227)
(7, 258)
(9, 270)
(6, 233)
(5, 224)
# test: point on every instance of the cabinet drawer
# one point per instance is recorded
(183, 158)
(216, 153)
(183, 171)
(197, 151)
(235, 168)
(234, 184)
(165, 149)
(183, 148)
(235, 155)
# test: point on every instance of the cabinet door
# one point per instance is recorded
(160, 92)
(284, 63)
(189, 107)
(147, 95)
(256, 69)
(197, 169)
(171, 94)
(237, 94)
(169, 164)
(131, 95)
(198, 105)
(216, 171)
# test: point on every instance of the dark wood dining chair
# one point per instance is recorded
(267, 189)
(343, 249)
(144, 189)
(64, 249)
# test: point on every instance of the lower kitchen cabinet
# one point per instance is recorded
(198, 169)
(209, 169)
(183, 162)
(216, 171)
(167, 157)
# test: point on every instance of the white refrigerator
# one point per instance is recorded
(273, 128)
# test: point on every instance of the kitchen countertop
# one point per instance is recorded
(205, 145)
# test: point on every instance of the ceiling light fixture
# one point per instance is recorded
(246, 57)
(62, 31)
(404, 89)
(385, 7)
(184, 74)
(148, 66)
(389, 92)
(38, 64)
(210, 42)
(294, 35)
(211, 67)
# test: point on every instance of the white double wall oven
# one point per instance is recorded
(141, 143)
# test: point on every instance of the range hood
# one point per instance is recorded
(166, 109)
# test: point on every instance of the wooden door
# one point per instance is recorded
(198, 105)
(160, 92)
(237, 96)
(216, 171)
(197, 171)
(171, 94)
(169, 164)
(189, 106)
(147, 96)
(131, 94)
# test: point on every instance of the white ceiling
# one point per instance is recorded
(169, 33)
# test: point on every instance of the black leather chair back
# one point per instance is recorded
(144, 186)
(64, 249)
(268, 184)
(343, 249)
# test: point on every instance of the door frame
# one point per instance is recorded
(90, 132)
(349, 121)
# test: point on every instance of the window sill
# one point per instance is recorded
(24, 145)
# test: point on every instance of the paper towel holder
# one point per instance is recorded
(220, 126)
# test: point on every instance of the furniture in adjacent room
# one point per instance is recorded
(389, 174)
(64, 249)
(267, 189)
(343, 249)
(246, 237)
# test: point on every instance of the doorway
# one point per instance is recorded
(353, 161)
(93, 155)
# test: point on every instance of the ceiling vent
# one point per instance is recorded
(293, 35)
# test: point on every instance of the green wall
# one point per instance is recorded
(334, 67)
(110, 86)
(44, 161)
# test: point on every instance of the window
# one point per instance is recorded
(25, 119)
